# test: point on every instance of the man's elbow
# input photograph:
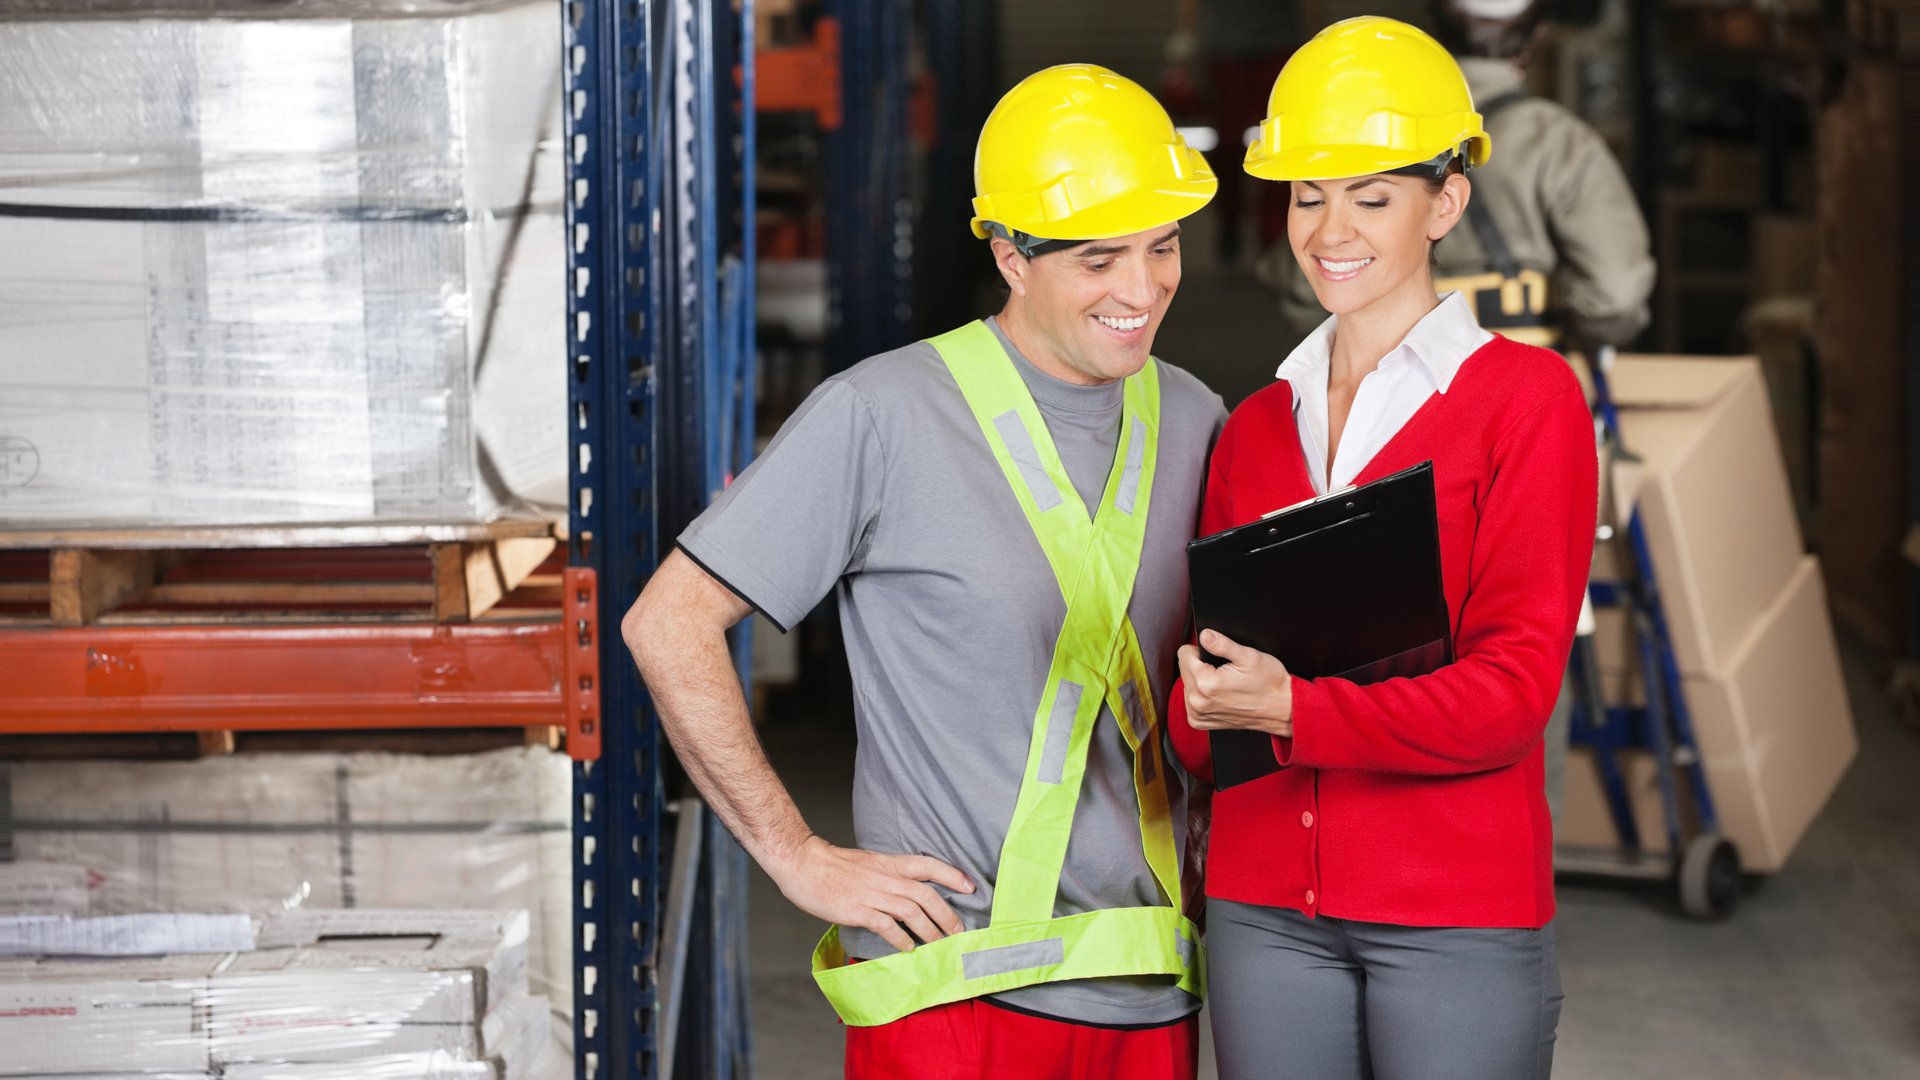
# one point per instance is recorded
(637, 627)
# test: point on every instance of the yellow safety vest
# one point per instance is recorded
(1096, 661)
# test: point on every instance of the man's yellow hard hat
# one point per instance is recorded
(1077, 152)
(1366, 95)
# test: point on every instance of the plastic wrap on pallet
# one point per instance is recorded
(151, 934)
(36, 887)
(227, 9)
(259, 270)
(104, 1016)
(421, 994)
(269, 833)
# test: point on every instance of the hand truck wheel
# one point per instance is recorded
(1709, 877)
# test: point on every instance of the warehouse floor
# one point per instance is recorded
(1817, 975)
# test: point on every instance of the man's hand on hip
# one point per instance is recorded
(887, 894)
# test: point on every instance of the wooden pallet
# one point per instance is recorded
(186, 746)
(436, 573)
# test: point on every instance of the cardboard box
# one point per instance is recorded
(43, 888)
(253, 832)
(506, 1046)
(499, 1048)
(103, 1016)
(152, 934)
(1866, 325)
(1782, 332)
(1775, 733)
(364, 973)
(311, 272)
(1714, 498)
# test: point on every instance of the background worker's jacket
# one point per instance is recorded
(1560, 201)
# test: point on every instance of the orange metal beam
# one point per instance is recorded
(801, 78)
(259, 678)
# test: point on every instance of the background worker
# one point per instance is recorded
(1382, 906)
(952, 494)
(1555, 250)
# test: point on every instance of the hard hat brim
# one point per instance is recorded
(1342, 162)
(1122, 216)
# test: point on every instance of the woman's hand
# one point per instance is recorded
(1251, 692)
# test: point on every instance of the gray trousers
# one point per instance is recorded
(1559, 733)
(1294, 998)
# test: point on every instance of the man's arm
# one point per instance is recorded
(1606, 264)
(677, 631)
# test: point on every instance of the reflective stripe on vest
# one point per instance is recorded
(1096, 661)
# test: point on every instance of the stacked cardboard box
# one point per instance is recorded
(257, 269)
(32, 887)
(338, 994)
(1868, 328)
(254, 832)
(103, 1016)
(1745, 606)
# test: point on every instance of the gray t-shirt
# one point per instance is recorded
(882, 489)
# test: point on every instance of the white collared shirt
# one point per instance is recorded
(1423, 364)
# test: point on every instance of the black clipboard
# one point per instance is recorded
(1347, 585)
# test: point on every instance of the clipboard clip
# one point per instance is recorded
(1348, 490)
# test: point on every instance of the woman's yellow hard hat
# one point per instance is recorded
(1366, 95)
(1077, 152)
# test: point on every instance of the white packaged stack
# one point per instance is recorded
(432, 995)
(32, 887)
(258, 270)
(104, 1016)
(257, 832)
(341, 986)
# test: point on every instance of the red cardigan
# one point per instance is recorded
(1420, 801)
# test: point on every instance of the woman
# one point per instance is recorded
(1381, 907)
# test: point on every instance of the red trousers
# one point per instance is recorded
(972, 1040)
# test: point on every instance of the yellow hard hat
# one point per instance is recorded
(1366, 95)
(1077, 152)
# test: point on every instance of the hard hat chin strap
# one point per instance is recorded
(1027, 244)
(1435, 167)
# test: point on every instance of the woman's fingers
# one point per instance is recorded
(1228, 649)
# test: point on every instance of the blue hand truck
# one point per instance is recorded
(1702, 865)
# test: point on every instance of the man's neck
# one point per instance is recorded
(1033, 347)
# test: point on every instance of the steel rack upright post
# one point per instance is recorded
(659, 160)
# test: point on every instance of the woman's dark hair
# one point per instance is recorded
(1436, 183)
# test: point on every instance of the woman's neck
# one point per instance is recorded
(1361, 339)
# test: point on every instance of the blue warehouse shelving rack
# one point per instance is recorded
(659, 157)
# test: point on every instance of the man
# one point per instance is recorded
(1012, 907)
